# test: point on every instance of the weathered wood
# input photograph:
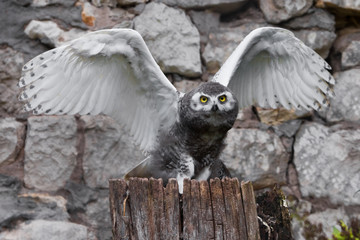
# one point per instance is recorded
(248, 198)
(191, 209)
(239, 206)
(223, 209)
(234, 213)
(120, 219)
(207, 230)
(218, 207)
(172, 211)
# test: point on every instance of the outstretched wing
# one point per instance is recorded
(272, 67)
(107, 71)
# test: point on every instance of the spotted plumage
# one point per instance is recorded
(112, 72)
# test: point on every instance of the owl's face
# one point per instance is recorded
(211, 105)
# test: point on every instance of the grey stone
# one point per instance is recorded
(314, 18)
(130, 2)
(10, 70)
(346, 5)
(255, 155)
(346, 104)
(223, 42)
(327, 162)
(105, 17)
(99, 216)
(79, 196)
(9, 186)
(11, 63)
(12, 25)
(50, 230)
(351, 55)
(109, 151)
(50, 151)
(288, 128)
(186, 85)
(205, 21)
(172, 39)
(50, 33)
(43, 3)
(327, 219)
(222, 6)
(100, 3)
(277, 11)
(12, 135)
(15, 207)
(42, 206)
(319, 40)
(345, 37)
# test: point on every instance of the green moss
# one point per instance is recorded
(347, 233)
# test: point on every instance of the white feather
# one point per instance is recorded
(107, 71)
(272, 66)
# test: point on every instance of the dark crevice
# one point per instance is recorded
(78, 172)
(181, 215)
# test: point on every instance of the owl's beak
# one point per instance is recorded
(214, 108)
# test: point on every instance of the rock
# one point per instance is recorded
(222, 6)
(79, 196)
(104, 17)
(172, 39)
(12, 26)
(186, 85)
(54, 230)
(50, 151)
(343, 5)
(99, 215)
(351, 55)
(255, 155)
(109, 151)
(50, 33)
(41, 206)
(319, 40)
(346, 104)
(223, 42)
(321, 224)
(15, 207)
(314, 18)
(130, 2)
(277, 11)
(10, 71)
(9, 186)
(326, 160)
(12, 135)
(43, 3)
(246, 118)
(206, 22)
(100, 3)
(11, 64)
(288, 128)
(345, 38)
(278, 116)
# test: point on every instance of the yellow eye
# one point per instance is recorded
(222, 98)
(203, 99)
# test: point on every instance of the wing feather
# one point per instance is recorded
(271, 67)
(107, 71)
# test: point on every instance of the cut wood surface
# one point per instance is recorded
(220, 209)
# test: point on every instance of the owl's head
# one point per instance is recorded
(211, 105)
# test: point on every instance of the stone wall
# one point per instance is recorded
(54, 170)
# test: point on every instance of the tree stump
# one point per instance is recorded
(221, 209)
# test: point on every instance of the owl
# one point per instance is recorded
(112, 72)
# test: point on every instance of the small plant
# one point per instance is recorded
(347, 233)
